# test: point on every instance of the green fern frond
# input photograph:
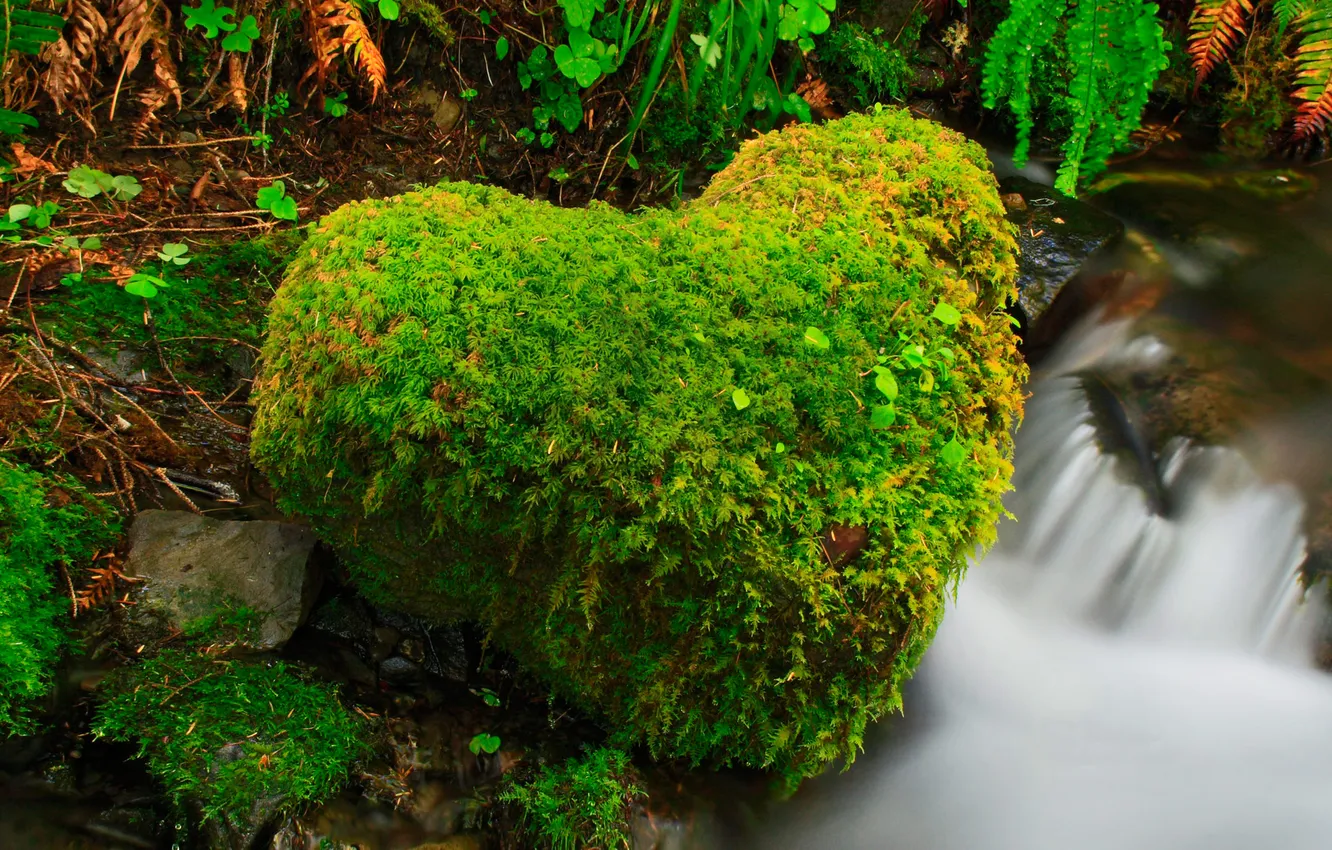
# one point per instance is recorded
(1215, 30)
(1027, 32)
(1117, 49)
(26, 31)
(1314, 58)
(1287, 12)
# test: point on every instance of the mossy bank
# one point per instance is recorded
(709, 472)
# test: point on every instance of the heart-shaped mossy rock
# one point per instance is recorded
(709, 472)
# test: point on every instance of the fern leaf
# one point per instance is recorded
(1117, 49)
(335, 27)
(1026, 34)
(1314, 59)
(26, 31)
(71, 61)
(1287, 12)
(1215, 30)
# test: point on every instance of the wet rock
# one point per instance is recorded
(348, 619)
(399, 671)
(123, 364)
(386, 641)
(241, 831)
(447, 115)
(448, 654)
(1057, 235)
(195, 567)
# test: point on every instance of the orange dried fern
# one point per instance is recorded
(101, 584)
(1215, 30)
(335, 27)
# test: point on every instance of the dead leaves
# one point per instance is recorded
(335, 27)
(102, 583)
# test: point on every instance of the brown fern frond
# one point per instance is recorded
(1314, 58)
(71, 62)
(141, 24)
(335, 27)
(1215, 30)
(101, 584)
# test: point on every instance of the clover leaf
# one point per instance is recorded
(484, 743)
(19, 212)
(388, 9)
(124, 187)
(209, 16)
(87, 182)
(740, 399)
(275, 199)
(243, 38)
(174, 252)
(145, 285)
(708, 50)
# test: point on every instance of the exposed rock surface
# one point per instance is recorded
(196, 567)
(1056, 235)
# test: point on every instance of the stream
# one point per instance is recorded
(1119, 673)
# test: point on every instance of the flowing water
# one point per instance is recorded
(1115, 675)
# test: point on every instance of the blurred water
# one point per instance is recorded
(1108, 678)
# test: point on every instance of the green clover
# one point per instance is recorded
(244, 37)
(275, 199)
(484, 743)
(209, 16)
(174, 252)
(145, 285)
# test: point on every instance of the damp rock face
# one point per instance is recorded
(619, 441)
(195, 568)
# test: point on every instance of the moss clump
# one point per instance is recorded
(232, 737)
(583, 802)
(535, 417)
(43, 523)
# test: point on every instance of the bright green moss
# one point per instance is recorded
(520, 414)
(43, 524)
(583, 802)
(229, 736)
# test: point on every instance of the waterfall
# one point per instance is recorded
(1109, 677)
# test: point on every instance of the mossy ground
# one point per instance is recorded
(611, 439)
(583, 802)
(228, 735)
(46, 523)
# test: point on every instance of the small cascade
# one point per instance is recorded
(1112, 676)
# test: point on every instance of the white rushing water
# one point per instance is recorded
(1108, 678)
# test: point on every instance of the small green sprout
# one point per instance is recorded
(501, 47)
(275, 199)
(484, 743)
(174, 252)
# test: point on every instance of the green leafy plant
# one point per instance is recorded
(1115, 48)
(211, 17)
(226, 735)
(38, 216)
(583, 802)
(553, 443)
(867, 64)
(145, 285)
(336, 106)
(275, 199)
(45, 522)
(174, 253)
(484, 743)
(24, 31)
(487, 696)
(244, 37)
(388, 9)
(88, 182)
(277, 106)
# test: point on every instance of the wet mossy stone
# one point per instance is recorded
(627, 443)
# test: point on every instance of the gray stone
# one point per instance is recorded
(1056, 236)
(196, 567)
(447, 114)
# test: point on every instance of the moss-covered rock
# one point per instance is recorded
(43, 523)
(709, 472)
(237, 743)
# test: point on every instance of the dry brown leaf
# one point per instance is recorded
(25, 163)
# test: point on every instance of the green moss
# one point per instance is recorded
(232, 736)
(867, 64)
(43, 523)
(430, 16)
(1256, 106)
(583, 802)
(525, 415)
(219, 297)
